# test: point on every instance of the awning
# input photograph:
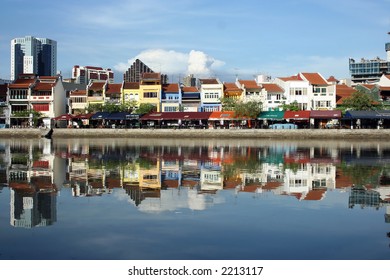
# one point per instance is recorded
(297, 115)
(64, 117)
(83, 116)
(100, 116)
(176, 116)
(380, 114)
(117, 116)
(271, 115)
(325, 114)
(228, 115)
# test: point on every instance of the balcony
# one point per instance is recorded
(94, 98)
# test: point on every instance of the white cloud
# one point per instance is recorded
(172, 62)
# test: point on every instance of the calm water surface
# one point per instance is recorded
(204, 199)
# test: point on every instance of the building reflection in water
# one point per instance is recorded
(164, 177)
(29, 171)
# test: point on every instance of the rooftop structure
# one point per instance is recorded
(85, 74)
(369, 70)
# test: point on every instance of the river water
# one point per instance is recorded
(120, 199)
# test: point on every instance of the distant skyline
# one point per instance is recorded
(226, 39)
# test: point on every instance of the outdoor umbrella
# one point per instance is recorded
(64, 117)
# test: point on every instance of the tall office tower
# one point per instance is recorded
(134, 73)
(30, 55)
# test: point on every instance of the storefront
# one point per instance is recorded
(325, 118)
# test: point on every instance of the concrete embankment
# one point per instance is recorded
(356, 134)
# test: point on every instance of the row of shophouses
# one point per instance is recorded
(53, 97)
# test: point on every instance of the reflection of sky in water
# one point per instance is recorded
(187, 223)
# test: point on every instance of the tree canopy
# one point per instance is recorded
(290, 107)
(249, 109)
(360, 100)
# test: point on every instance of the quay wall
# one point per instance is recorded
(319, 134)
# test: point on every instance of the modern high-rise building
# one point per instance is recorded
(86, 74)
(137, 69)
(30, 55)
(370, 70)
(134, 73)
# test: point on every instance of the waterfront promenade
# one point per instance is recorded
(335, 134)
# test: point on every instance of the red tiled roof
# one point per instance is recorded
(170, 87)
(189, 89)
(171, 184)
(368, 86)
(332, 79)
(292, 78)
(131, 85)
(314, 78)
(231, 87)
(20, 85)
(53, 78)
(113, 88)
(43, 86)
(272, 185)
(97, 86)
(384, 88)
(342, 92)
(249, 84)
(272, 88)
(315, 194)
(78, 92)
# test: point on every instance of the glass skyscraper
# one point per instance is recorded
(30, 55)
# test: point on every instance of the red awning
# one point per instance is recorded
(297, 115)
(228, 115)
(325, 114)
(83, 116)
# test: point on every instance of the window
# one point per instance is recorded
(211, 95)
(170, 109)
(150, 94)
(41, 107)
(298, 91)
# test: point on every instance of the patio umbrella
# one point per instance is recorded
(83, 116)
(64, 117)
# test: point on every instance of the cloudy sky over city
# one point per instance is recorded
(225, 39)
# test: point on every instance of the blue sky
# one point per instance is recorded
(221, 39)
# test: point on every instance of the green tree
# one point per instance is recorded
(26, 114)
(94, 108)
(228, 104)
(290, 107)
(242, 109)
(250, 109)
(146, 108)
(360, 100)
